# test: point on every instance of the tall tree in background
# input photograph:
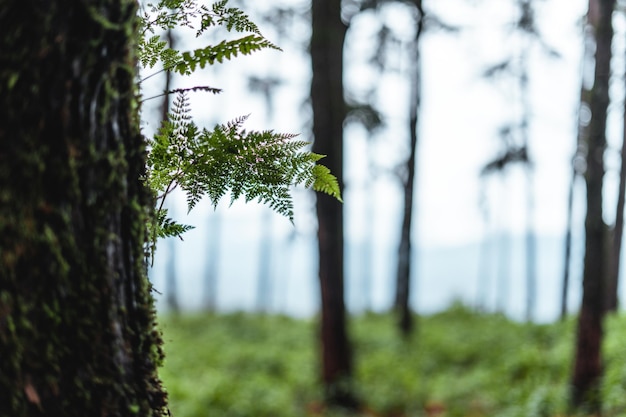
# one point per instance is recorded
(403, 277)
(327, 39)
(171, 280)
(527, 27)
(511, 155)
(77, 325)
(587, 371)
(210, 281)
(516, 134)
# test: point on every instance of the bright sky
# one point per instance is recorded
(461, 114)
(460, 117)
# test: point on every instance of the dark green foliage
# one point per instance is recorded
(228, 159)
(185, 13)
(223, 50)
(168, 227)
(466, 363)
(208, 358)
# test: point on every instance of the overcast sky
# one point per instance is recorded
(458, 133)
(459, 120)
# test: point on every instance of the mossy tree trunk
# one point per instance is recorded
(329, 110)
(77, 325)
(588, 361)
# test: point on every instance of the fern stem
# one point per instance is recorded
(167, 191)
(155, 73)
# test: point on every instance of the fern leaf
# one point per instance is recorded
(326, 182)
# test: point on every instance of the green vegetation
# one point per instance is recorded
(460, 363)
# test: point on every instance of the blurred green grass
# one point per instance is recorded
(459, 363)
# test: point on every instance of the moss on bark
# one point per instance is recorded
(77, 324)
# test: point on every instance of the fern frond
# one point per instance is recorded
(225, 50)
(228, 159)
(166, 227)
(229, 17)
(251, 165)
(326, 182)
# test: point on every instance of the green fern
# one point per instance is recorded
(229, 17)
(166, 227)
(172, 13)
(253, 165)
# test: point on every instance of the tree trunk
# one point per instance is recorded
(531, 263)
(588, 360)
(77, 324)
(171, 278)
(328, 33)
(568, 246)
(264, 280)
(403, 278)
(211, 274)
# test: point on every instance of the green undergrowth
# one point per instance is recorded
(459, 363)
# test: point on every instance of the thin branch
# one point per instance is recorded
(184, 90)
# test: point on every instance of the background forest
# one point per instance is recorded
(470, 198)
(470, 215)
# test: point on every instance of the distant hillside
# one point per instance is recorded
(470, 273)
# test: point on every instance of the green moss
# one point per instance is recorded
(76, 314)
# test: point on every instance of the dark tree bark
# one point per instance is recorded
(327, 39)
(77, 324)
(403, 278)
(588, 361)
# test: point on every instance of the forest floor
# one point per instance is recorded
(458, 363)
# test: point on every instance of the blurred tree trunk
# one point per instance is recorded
(568, 245)
(367, 246)
(77, 323)
(171, 287)
(327, 39)
(211, 275)
(264, 281)
(526, 25)
(588, 360)
(403, 278)
(171, 281)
